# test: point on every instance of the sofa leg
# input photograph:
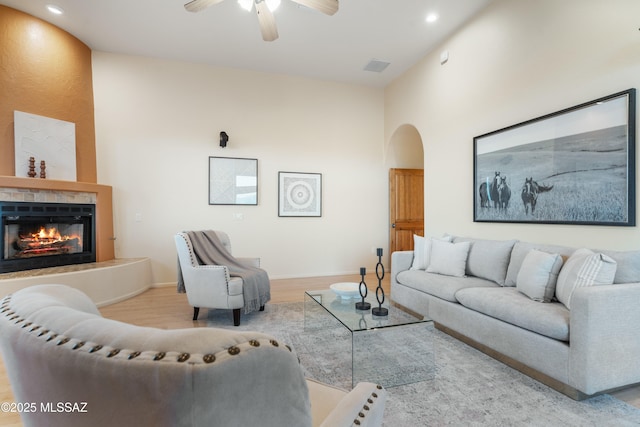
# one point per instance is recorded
(236, 317)
(196, 310)
(262, 308)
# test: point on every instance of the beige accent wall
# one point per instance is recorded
(517, 60)
(46, 71)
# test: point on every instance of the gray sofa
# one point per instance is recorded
(587, 349)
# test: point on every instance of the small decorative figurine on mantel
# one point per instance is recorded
(32, 167)
(43, 167)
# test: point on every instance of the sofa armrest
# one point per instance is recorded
(604, 337)
(334, 407)
(400, 261)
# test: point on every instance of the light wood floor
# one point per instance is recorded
(166, 309)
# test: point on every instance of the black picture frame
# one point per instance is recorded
(574, 166)
(299, 194)
(233, 181)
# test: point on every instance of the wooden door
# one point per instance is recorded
(406, 206)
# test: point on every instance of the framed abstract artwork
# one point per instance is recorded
(299, 194)
(47, 140)
(575, 166)
(233, 181)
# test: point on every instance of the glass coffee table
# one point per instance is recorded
(392, 350)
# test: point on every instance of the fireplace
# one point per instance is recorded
(39, 235)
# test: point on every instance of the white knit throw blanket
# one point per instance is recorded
(209, 250)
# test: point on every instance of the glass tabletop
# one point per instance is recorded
(344, 310)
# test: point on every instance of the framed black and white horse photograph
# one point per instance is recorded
(575, 166)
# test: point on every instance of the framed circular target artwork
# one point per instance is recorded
(299, 194)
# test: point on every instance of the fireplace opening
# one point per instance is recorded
(39, 235)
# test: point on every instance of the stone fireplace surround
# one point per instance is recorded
(106, 281)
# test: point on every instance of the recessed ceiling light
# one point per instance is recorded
(432, 17)
(56, 10)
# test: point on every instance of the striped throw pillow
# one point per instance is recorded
(584, 268)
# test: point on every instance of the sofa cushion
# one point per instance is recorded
(488, 259)
(422, 251)
(584, 268)
(538, 275)
(520, 251)
(419, 243)
(511, 306)
(448, 258)
(628, 270)
(440, 286)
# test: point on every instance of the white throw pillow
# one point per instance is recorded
(422, 251)
(448, 258)
(419, 243)
(538, 275)
(584, 268)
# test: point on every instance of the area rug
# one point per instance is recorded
(466, 387)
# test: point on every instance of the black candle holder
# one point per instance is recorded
(362, 305)
(362, 323)
(379, 310)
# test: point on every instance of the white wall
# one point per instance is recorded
(517, 60)
(158, 121)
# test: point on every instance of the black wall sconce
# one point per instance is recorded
(223, 139)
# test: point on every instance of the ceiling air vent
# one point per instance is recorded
(376, 66)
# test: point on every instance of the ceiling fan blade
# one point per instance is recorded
(267, 22)
(328, 7)
(199, 5)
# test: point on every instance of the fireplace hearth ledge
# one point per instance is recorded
(105, 282)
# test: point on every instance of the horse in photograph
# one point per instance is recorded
(504, 193)
(489, 192)
(530, 191)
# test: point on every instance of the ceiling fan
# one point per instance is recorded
(265, 15)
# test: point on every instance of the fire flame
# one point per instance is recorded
(52, 234)
(47, 241)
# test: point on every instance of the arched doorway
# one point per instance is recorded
(405, 149)
(405, 159)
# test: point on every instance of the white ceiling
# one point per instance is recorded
(311, 44)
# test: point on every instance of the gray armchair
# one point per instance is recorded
(58, 349)
(211, 286)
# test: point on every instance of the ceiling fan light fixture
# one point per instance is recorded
(272, 4)
(246, 4)
(264, 10)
